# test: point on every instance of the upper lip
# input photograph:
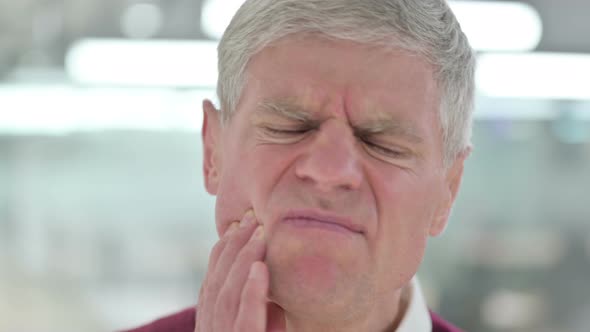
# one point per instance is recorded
(326, 217)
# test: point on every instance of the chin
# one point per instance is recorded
(314, 285)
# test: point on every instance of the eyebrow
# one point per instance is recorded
(286, 108)
(380, 125)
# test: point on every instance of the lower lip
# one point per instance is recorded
(316, 224)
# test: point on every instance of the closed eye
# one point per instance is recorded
(284, 132)
(282, 135)
(386, 152)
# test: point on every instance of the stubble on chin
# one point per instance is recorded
(312, 286)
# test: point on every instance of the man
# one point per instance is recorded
(339, 147)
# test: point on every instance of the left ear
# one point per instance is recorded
(453, 177)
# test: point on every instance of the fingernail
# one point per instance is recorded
(248, 219)
(258, 233)
(232, 228)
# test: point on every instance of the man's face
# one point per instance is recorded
(337, 147)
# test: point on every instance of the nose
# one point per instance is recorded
(331, 160)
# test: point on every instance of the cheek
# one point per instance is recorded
(234, 195)
(406, 204)
(248, 181)
(270, 167)
(232, 198)
(408, 200)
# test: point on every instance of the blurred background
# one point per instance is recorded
(104, 222)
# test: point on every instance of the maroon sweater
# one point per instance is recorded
(184, 321)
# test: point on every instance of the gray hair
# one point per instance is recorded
(425, 27)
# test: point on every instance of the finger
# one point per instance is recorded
(228, 301)
(234, 243)
(216, 252)
(222, 260)
(205, 308)
(252, 313)
(220, 245)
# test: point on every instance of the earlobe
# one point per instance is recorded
(453, 178)
(210, 133)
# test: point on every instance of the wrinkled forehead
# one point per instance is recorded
(314, 72)
(374, 90)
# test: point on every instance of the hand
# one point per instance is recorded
(233, 296)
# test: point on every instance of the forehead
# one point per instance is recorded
(342, 78)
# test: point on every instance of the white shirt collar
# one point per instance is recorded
(416, 318)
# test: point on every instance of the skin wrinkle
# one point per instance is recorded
(380, 128)
(380, 124)
(351, 64)
(427, 29)
(286, 108)
(318, 277)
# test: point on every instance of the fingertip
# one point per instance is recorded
(232, 228)
(248, 219)
(257, 271)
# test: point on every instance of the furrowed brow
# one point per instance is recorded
(285, 108)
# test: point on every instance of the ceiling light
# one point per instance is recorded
(62, 109)
(121, 62)
(558, 76)
(499, 26)
(216, 15)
